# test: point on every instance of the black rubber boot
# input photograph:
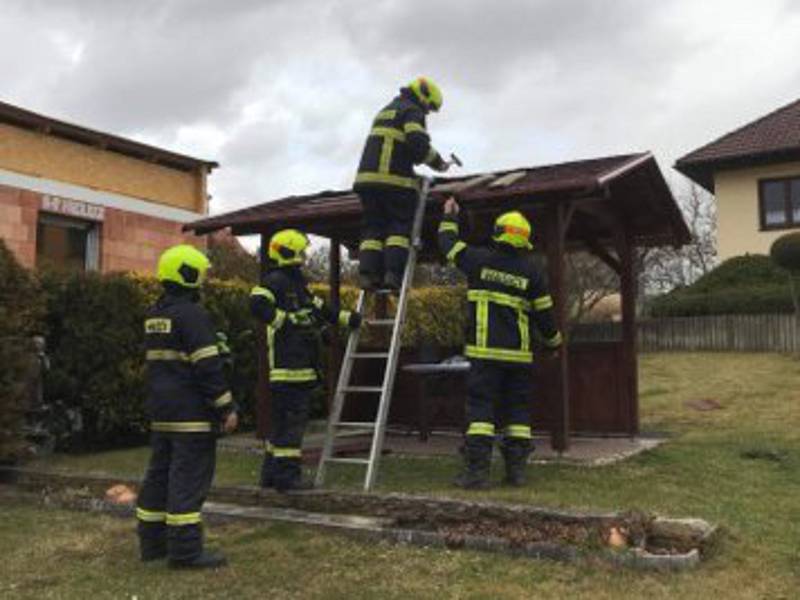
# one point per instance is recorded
(267, 478)
(206, 560)
(515, 455)
(152, 541)
(289, 476)
(150, 554)
(295, 485)
(477, 462)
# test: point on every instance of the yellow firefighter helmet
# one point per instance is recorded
(184, 265)
(427, 92)
(288, 247)
(514, 229)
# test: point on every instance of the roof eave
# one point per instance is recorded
(701, 171)
(114, 143)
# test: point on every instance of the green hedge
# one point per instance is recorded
(96, 344)
(21, 313)
(748, 284)
(435, 314)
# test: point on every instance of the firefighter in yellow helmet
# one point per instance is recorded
(293, 316)
(386, 185)
(506, 296)
(189, 404)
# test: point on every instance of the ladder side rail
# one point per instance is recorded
(396, 342)
(338, 398)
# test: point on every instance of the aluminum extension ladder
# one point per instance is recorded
(343, 387)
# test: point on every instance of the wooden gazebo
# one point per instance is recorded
(606, 206)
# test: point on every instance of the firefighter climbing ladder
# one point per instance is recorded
(343, 388)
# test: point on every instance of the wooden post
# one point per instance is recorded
(556, 247)
(263, 420)
(627, 283)
(335, 284)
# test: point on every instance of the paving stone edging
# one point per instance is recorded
(406, 518)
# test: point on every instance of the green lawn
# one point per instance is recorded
(737, 466)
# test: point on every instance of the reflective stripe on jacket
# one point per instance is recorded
(187, 390)
(506, 296)
(293, 317)
(396, 142)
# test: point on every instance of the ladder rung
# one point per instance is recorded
(349, 461)
(357, 424)
(364, 389)
(380, 321)
(370, 355)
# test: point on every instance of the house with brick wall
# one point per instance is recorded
(75, 198)
(754, 173)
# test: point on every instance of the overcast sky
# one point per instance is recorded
(282, 92)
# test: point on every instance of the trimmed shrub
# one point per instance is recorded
(750, 270)
(96, 343)
(21, 312)
(749, 284)
(785, 252)
(435, 314)
(96, 347)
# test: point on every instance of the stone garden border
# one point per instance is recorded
(650, 542)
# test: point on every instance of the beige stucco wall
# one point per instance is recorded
(33, 153)
(737, 209)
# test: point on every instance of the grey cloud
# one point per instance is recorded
(480, 44)
(282, 92)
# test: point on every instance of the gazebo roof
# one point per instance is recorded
(602, 192)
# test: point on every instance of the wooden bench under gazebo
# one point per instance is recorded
(605, 206)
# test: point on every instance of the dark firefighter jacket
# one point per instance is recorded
(293, 316)
(397, 141)
(187, 389)
(506, 296)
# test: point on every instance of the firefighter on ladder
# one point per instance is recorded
(386, 184)
(189, 403)
(505, 294)
(293, 316)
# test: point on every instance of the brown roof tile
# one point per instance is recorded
(775, 136)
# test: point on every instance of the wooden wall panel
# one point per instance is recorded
(599, 399)
(40, 155)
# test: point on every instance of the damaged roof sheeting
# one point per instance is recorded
(771, 138)
(605, 190)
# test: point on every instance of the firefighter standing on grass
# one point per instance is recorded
(386, 184)
(189, 404)
(293, 316)
(506, 295)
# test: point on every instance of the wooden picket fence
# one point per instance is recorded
(745, 333)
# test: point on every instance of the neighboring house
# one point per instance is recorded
(79, 199)
(754, 172)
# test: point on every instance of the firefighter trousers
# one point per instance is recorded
(290, 405)
(175, 486)
(386, 231)
(498, 394)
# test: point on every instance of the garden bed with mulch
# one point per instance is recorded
(630, 538)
